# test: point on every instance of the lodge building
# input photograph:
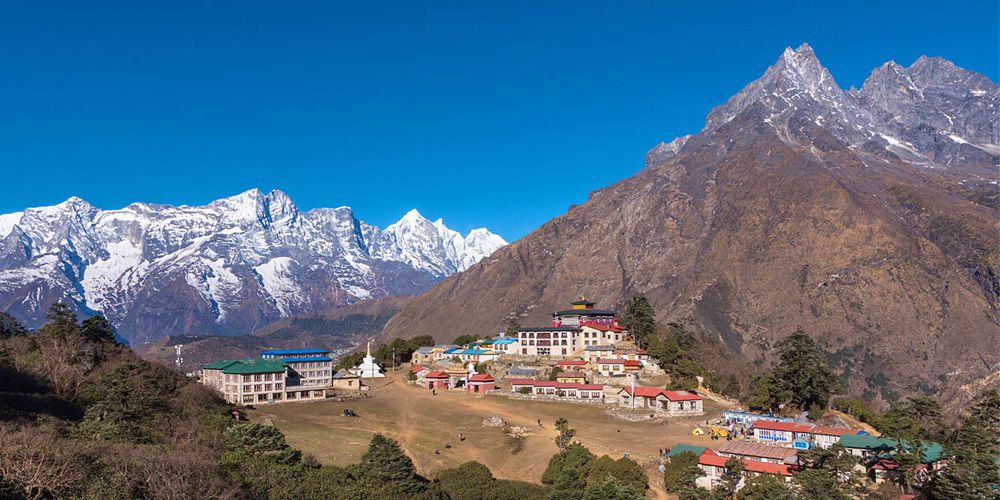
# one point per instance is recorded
(277, 376)
(572, 330)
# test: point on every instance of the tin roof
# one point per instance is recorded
(748, 449)
(286, 352)
(683, 447)
(250, 366)
(306, 360)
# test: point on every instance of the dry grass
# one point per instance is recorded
(424, 424)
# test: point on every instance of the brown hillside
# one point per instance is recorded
(754, 230)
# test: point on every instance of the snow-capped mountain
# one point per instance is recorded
(931, 114)
(224, 268)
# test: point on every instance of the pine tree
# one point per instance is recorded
(10, 327)
(640, 320)
(765, 394)
(566, 434)
(802, 372)
(385, 465)
(681, 472)
(97, 329)
(60, 320)
(766, 487)
(972, 471)
(511, 329)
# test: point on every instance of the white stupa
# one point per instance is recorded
(368, 368)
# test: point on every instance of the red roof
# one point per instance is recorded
(767, 468)
(885, 464)
(782, 426)
(833, 431)
(644, 392)
(572, 362)
(633, 362)
(682, 396)
(606, 328)
(417, 368)
(707, 458)
(611, 361)
(436, 374)
(482, 377)
(522, 381)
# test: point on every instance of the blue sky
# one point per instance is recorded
(497, 114)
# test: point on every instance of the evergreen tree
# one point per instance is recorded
(625, 471)
(684, 375)
(10, 327)
(576, 456)
(972, 470)
(566, 434)
(611, 489)
(465, 339)
(60, 320)
(766, 487)
(97, 329)
(802, 372)
(261, 440)
(681, 472)
(568, 485)
(765, 394)
(511, 329)
(385, 464)
(731, 477)
(831, 472)
(639, 319)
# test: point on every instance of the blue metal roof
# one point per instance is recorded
(505, 340)
(522, 371)
(286, 352)
(473, 352)
(306, 360)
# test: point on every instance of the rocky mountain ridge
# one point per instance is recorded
(866, 217)
(225, 268)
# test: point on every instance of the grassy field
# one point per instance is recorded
(425, 424)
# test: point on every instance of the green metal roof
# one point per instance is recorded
(245, 366)
(681, 448)
(867, 442)
(218, 365)
(931, 451)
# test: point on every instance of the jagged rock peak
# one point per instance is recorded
(666, 150)
(796, 80)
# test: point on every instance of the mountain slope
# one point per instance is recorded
(798, 205)
(226, 268)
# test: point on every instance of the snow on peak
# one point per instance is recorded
(248, 255)
(8, 221)
(433, 246)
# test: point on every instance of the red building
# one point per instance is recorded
(583, 313)
(437, 380)
(480, 383)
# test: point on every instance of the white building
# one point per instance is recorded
(368, 367)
